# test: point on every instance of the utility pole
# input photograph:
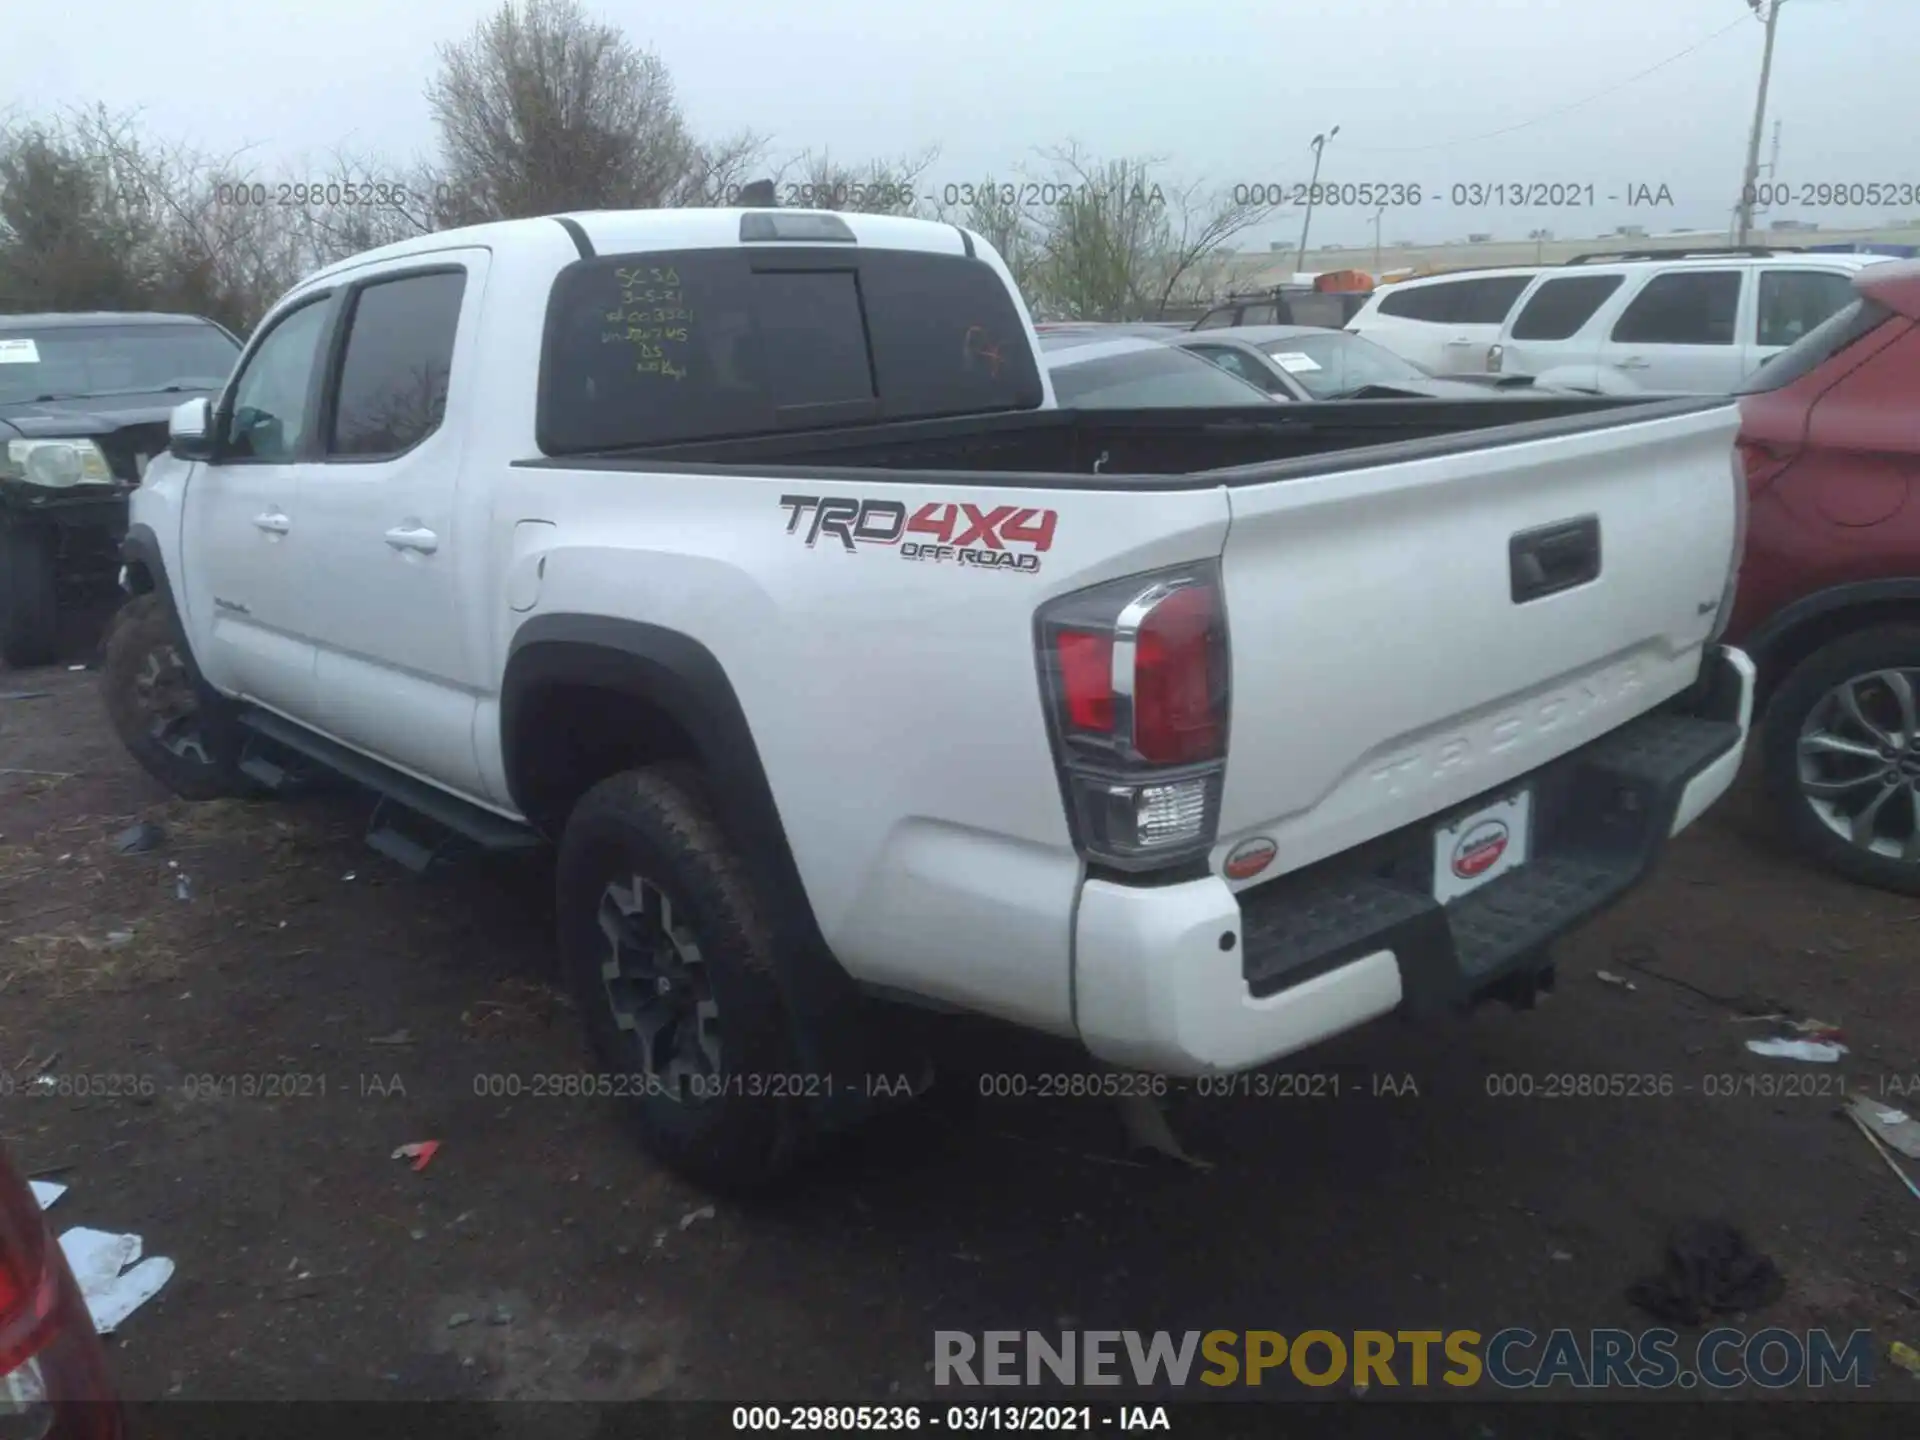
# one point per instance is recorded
(1750, 176)
(1376, 236)
(1313, 185)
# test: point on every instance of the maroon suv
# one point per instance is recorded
(53, 1371)
(1829, 598)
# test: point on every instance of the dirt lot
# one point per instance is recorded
(539, 1255)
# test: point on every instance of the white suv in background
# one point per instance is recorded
(1443, 323)
(1697, 322)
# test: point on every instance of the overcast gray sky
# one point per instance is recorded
(1229, 91)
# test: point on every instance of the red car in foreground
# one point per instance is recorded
(53, 1369)
(1829, 593)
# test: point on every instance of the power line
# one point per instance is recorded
(1551, 114)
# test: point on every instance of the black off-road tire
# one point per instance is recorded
(747, 1126)
(197, 756)
(1887, 647)
(29, 601)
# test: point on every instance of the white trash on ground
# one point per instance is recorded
(45, 1192)
(1895, 1128)
(1819, 1052)
(100, 1259)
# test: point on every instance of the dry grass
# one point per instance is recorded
(66, 963)
(515, 1007)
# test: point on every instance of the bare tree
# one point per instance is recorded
(543, 108)
(896, 186)
(93, 216)
(997, 211)
(1116, 243)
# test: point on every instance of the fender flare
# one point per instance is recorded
(1763, 642)
(141, 547)
(680, 676)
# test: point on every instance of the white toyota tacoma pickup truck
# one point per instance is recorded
(745, 556)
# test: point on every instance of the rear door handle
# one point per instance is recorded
(1462, 342)
(273, 523)
(1635, 362)
(413, 537)
(1552, 558)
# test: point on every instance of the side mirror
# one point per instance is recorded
(190, 430)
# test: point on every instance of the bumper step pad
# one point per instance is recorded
(1602, 815)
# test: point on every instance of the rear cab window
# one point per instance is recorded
(665, 347)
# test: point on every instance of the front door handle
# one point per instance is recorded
(1462, 341)
(273, 523)
(413, 537)
(1635, 362)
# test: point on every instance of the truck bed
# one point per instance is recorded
(1201, 448)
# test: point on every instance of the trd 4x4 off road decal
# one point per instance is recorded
(994, 537)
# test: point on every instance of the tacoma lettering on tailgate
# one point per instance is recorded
(1452, 754)
(997, 537)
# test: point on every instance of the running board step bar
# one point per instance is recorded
(398, 792)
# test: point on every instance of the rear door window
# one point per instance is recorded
(392, 390)
(1841, 330)
(1561, 306)
(1487, 301)
(1423, 302)
(1794, 302)
(707, 344)
(1683, 307)
(1484, 300)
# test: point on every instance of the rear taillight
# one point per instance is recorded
(1135, 677)
(1496, 357)
(53, 1378)
(1764, 461)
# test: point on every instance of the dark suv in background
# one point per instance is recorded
(84, 401)
(1829, 597)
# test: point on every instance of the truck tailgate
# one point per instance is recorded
(1410, 634)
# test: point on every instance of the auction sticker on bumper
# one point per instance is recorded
(1482, 846)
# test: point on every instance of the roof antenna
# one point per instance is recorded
(758, 194)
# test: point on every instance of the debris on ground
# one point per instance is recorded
(1607, 977)
(1815, 1052)
(139, 839)
(1897, 1128)
(1710, 1269)
(705, 1212)
(1147, 1129)
(457, 1319)
(25, 694)
(100, 1262)
(421, 1152)
(1869, 1129)
(45, 1192)
(1818, 1030)
(1905, 1356)
(398, 1037)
